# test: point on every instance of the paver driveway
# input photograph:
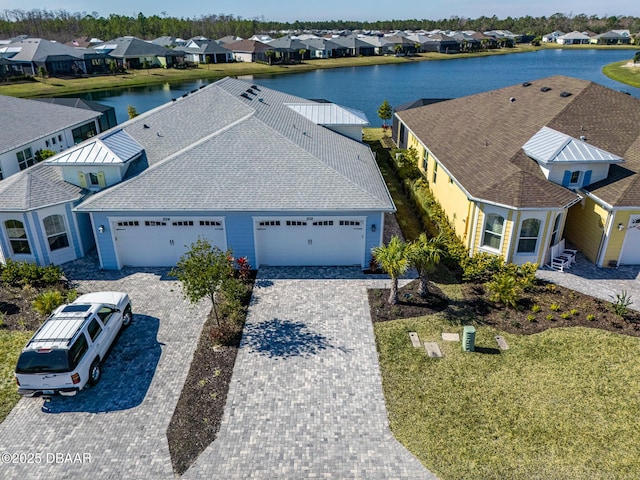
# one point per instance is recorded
(306, 396)
(118, 429)
(305, 400)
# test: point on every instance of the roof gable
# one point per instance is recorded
(35, 187)
(114, 148)
(550, 146)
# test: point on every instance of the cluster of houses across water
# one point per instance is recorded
(37, 56)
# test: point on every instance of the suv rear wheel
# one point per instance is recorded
(95, 372)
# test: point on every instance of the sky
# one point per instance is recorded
(364, 10)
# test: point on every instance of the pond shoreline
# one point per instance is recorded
(48, 87)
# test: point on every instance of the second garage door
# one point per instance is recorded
(310, 241)
(154, 242)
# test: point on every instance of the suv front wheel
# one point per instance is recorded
(95, 372)
(127, 316)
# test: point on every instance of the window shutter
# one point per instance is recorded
(567, 178)
(82, 179)
(101, 180)
(587, 178)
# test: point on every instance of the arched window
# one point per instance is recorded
(56, 232)
(17, 236)
(493, 230)
(529, 231)
(556, 226)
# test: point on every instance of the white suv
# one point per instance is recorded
(65, 354)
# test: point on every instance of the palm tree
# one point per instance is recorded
(393, 260)
(425, 254)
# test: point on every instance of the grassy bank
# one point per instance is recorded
(621, 73)
(553, 406)
(59, 86)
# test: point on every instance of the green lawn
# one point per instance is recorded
(617, 71)
(11, 343)
(562, 404)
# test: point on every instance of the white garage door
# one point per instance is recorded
(631, 248)
(310, 241)
(153, 242)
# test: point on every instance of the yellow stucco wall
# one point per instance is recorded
(451, 197)
(585, 227)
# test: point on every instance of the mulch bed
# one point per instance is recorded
(16, 311)
(198, 414)
(476, 308)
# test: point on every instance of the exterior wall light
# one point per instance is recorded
(101, 229)
(620, 227)
(373, 227)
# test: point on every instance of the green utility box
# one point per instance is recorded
(469, 338)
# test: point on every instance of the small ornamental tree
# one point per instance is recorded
(393, 260)
(131, 111)
(202, 271)
(385, 112)
(425, 254)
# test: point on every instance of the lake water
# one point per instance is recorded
(365, 88)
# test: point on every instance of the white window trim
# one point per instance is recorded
(487, 248)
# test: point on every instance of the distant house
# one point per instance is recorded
(134, 53)
(324, 48)
(289, 49)
(441, 43)
(611, 38)
(31, 54)
(271, 176)
(573, 38)
(249, 51)
(29, 126)
(355, 46)
(168, 41)
(204, 50)
(552, 37)
(516, 192)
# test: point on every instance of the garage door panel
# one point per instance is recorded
(299, 242)
(144, 242)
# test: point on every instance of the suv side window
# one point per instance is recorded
(105, 314)
(77, 351)
(94, 329)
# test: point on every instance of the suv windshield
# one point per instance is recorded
(51, 361)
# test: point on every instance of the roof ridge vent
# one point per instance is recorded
(545, 89)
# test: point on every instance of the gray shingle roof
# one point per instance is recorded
(132, 47)
(36, 187)
(216, 150)
(24, 121)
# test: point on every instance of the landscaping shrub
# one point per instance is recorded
(19, 274)
(504, 289)
(621, 303)
(47, 302)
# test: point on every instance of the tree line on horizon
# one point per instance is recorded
(63, 26)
